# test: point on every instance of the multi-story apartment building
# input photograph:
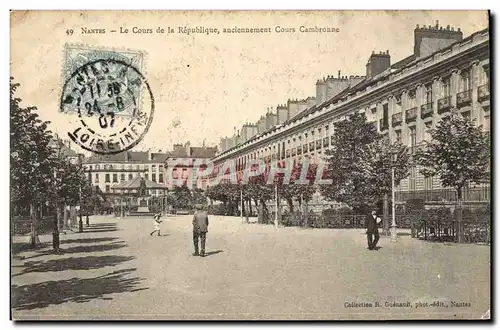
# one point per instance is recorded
(183, 161)
(109, 170)
(445, 72)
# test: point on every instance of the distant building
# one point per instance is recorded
(108, 170)
(188, 159)
(62, 148)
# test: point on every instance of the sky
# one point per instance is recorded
(205, 86)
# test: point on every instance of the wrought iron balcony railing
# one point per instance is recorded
(326, 142)
(293, 152)
(311, 146)
(464, 98)
(304, 148)
(411, 115)
(383, 124)
(299, 151)
(318, 144)
(483, 92)
(397, 119)
(426, 110)
(444, 104)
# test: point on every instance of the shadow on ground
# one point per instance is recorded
(82, 263)
(101, 227)
(40, 295)
(213, 252)
(21, 247)
(88, 240)
(81, 249)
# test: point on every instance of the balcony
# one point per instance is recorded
(444, 104)
(304, 148)
(287, 154)
(383, 124)
(293, 152)
(426, 110)
(483, 92)
(299, 151)
(311, 146)
(397, 119)
(411, 115)
(326, 142)
(318, 144)
(464, 98)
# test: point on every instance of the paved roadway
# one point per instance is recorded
(115, 270)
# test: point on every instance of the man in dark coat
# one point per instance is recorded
(200, 229)
(372, 230)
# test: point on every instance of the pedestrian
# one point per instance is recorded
(200, 229)
(156, 222)
(372, 221)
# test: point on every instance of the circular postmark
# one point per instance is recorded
(106, 98)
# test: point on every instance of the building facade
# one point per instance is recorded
(106, 171)
(445, 73)
(184, 161)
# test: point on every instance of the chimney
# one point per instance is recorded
(378, 63)
(321, 89)
(430, 39)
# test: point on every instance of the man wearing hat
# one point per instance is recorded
(372, 221)
(200, 229)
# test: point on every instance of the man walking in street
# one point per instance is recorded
(372, 222)
(200, 229)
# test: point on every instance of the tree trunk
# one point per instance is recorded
(459, 233)
(278, 210)
(224, 203)
(260, 213)
(243, 211)
(34, 239)
(290, 204)
(305, 213)
(265, 213)
(55, 233)
(250, 206)
(60, 219)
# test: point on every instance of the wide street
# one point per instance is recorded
(116, 270)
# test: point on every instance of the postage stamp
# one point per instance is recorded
(107, 98)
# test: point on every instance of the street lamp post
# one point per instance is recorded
(241, 203)
(394, 234)
(87, 220)
(276, 211)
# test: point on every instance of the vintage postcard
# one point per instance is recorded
(250, 165)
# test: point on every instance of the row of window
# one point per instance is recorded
(131, 167)
(107, 177)
(107, 189)
(463, 84)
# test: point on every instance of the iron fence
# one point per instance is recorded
(435, 224)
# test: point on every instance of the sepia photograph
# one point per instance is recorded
(250, 165)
